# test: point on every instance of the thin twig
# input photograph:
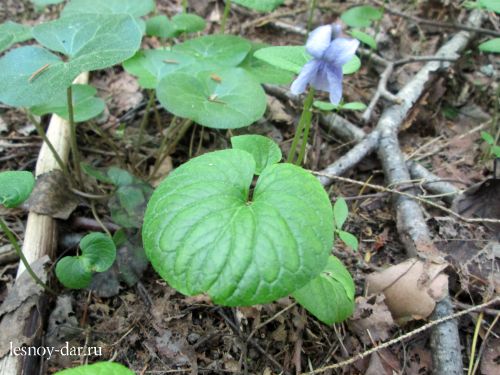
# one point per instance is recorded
(404, 337)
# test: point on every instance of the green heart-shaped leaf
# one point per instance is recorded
(340, 212)
(15, 187)
(99, 368)
(11, 33)
(364, 38)
(293, 58)
(188, 23)
(361, 16)
(264, 151)
(98, 252)
(264, 72)
(71, 273)
(224, 99)
(330, 296)
(150, 66)
(136, 8)
(160, 26)
(221, 50)
(204, 234)
(85, 104)
(260, 5)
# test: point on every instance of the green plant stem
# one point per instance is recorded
(184, 6)
(474, 342)
(20, 253)
(303, 129)
(227, 8)
(41, 132)
(144, 122)
(74, 145)
(312, 8)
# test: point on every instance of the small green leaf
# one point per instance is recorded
(15, 187)
(491, 5)
(188, 23)
(361, 16)
(264, 72)
(152, 65)
(120, 177)
(349, 239)
(221, 50)
(492, 45)
(11, 33)
(260, 5)
(264, 151)
(119, 237)
(325, 106)
(293, 58)
(364, 38)
(488, 138)
(330, 296)
(96, 173)
(223, 99)
(98, 252)
(99, 368)
(160, 26)
(495, 150)
(85, 104)
(136, 8)
(204, 234)
(70, 272)
(340, 212)
(353, 106)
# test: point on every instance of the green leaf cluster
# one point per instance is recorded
(209, 229)
(15, 187)
(98, 255)
(360, 17)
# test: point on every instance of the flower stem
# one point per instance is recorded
(74, 146)
(144, 122)
(227, 8)
(20, 253)
(184, 6)
(302, 132)
(41, 132)
(312, 8)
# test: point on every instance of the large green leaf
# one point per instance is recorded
(330, 296)
(361, 16)
(203, 233)
(15, 187)
(260, 5)
(222, 50)
(264, 72)
(29, 75)
(85, 104)
(11, 33)
(225, 98)
(92, 41)
(293, 58)
(264, 151)
(99, 368)
(136, 8)
(150, 66)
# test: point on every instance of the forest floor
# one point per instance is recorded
(154, 330)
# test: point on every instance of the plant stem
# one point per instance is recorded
(302, 131)
(184, 6)
(41, 132)
(74, 145)
(144, 122)
(227, 8)
(20, 253)
(312, 8)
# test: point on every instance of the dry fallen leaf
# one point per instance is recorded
(276, 111)
(371, 314)
(411, 288)
(490, 360)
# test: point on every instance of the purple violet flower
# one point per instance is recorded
(324, 72)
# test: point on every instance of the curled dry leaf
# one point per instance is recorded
(371, 314)
(411, 288)
(276, 111)
(52, 196)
